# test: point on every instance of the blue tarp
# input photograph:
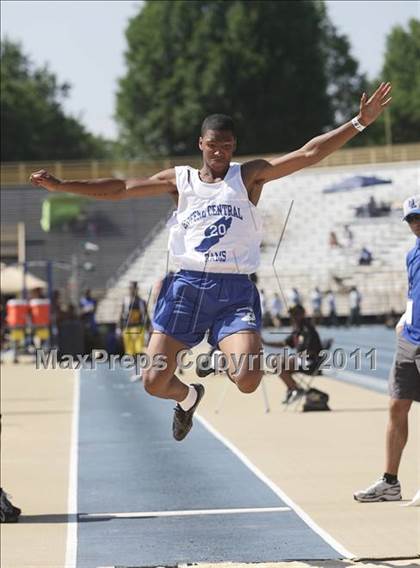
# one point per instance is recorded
(355, 182)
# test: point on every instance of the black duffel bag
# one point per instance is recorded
(315, 400)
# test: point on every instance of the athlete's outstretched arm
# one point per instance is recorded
(321, 146)
(109, 189)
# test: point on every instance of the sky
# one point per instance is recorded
(83, 43)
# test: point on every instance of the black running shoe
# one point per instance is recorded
(182, 422)
(8, 512)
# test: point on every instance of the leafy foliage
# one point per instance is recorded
(402, 68)
(279, 68)
(34, 126)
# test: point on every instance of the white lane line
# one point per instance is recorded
(71, 545)
(192, 512)
(300, 512)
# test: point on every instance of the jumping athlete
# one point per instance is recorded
(215, 239)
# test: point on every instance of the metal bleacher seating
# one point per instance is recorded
(305, 258)
(132, 238)
(117, 228)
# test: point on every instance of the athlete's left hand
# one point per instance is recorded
(371, 108)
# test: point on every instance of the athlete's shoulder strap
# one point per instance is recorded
(183, 178)
(235, 173)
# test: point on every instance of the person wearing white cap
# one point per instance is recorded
(404, 380)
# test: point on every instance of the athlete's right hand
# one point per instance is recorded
(44, 179)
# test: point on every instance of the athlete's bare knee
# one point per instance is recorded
(150, 385)
(246, 387)
(153, 382)
(249, 382)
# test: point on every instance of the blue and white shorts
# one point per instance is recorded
(191, 302)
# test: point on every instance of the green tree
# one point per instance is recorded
(400, 123)
(402, 68)
(34, 125)
(278, 68)
(345, 83)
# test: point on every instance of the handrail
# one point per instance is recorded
(17, 173)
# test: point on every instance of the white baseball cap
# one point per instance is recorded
(410, 206)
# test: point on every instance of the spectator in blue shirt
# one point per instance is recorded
(404, 381)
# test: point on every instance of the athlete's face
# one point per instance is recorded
(414, 223)
(217, 147)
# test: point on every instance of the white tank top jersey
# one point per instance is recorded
(215, 228)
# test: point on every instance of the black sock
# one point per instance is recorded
(389, 478)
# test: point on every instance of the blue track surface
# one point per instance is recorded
(371, 370)
(365, 338)
(128, 462)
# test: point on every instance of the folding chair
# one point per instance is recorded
(305, 380)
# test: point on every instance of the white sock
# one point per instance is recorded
(189, 400)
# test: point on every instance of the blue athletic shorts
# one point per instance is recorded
(191, 302)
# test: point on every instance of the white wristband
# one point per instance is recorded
(355, 122)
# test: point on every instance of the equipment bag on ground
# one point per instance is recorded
(315, 400)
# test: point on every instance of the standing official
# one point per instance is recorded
(404, 380)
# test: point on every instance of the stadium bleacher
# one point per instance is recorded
(132, 238)
(118, 229)
(305, 258)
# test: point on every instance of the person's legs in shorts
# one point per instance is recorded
(243, 352)
(288, 365)
(236, 330)
(179, 322)
(404, 388)
(159, 378)
(396, 434)
(127, 336)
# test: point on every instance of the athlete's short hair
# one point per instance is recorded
(218, 122)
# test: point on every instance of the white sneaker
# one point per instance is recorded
(379, 491)
(415, 501)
